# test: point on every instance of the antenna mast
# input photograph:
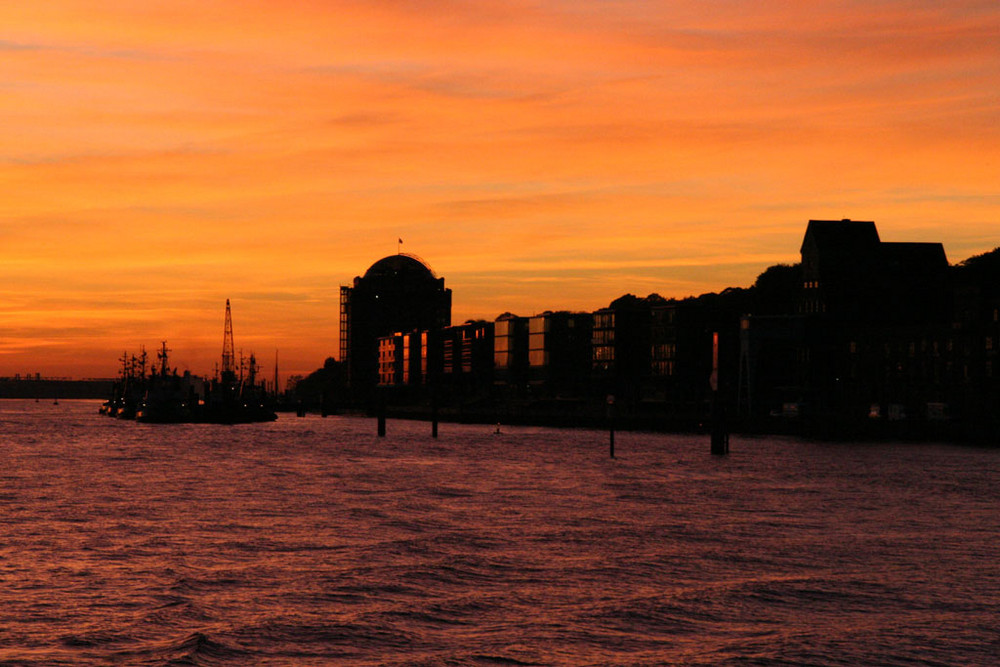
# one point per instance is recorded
(228, 353)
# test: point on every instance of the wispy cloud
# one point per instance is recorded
(156, 158)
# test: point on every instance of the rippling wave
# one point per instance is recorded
(313, 542)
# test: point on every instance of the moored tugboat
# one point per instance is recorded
(163, 397)
(236, 398)
(128, 389)
(169, 398)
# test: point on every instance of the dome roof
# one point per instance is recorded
(402, 266)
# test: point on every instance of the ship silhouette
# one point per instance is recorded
(233, 396)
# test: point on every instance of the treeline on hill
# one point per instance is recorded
(324, 388)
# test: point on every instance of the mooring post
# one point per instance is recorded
(719, 429)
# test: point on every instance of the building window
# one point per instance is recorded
(604, 336)
(538, 325)
(604, 321)
(663, 368)
(538, 358)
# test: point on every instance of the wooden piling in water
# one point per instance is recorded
(718, 426)
(434, 413)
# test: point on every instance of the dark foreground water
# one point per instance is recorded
(313, 542)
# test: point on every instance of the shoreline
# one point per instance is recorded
(830, 429)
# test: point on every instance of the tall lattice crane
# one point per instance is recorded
(228, 352)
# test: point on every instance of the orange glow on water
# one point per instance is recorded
(157, 158)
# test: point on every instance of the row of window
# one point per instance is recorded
(935, 347)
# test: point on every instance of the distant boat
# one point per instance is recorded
(236, 397)
(169, 397)
(163, 397)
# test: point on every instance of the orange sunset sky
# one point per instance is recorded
(158, 157)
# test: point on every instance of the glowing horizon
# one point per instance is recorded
(160, 157)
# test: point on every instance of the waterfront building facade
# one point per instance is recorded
(398, 293)
(510, 354)
(862, 333)
(622, 349)
(560, 353)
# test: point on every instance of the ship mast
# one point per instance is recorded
(228, 353)
(162, 357)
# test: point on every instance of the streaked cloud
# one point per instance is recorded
(159, 157)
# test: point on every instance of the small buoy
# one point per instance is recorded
(496, 431)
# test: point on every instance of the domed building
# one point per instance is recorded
(398, 293)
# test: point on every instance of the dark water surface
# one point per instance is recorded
(313, 542)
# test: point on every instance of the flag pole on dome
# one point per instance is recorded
(399, 246)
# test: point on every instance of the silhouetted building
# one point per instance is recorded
(972, 376)
(875, 314)
(398, 293)
(681, 342)
(621, 348)
(862, 337)
(391, 366)
(839, 259)
(467, 358)
(559, 353)
(402, 361)
(850, 275)
(770, 377)
(510, 353)
(413, 358)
